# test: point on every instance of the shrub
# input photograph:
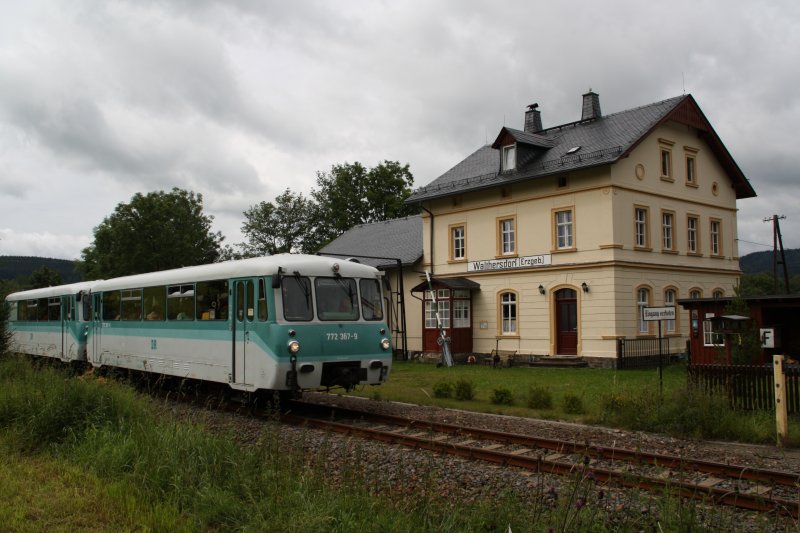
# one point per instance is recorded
(540, 397)
(502, 396)
(464, 390)
(572, 404)
(443, 389)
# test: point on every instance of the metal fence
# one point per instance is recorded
(644, 353)
(747, 387)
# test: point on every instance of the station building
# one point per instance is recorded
(550, 240)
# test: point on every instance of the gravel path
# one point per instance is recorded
(400, 471)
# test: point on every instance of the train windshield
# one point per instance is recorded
(371, 299)
(337, 298)
(296, 293)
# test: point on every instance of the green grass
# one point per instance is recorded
(630, 399)
(88, 454)
(414, 383)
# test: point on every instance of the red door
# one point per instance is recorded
(455, 315)
(566, 322)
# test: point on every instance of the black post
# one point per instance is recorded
(660, 366)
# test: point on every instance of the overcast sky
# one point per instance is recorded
(239, 100)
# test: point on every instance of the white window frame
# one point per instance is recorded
(459, 242)
(709, 337)
(508, 313)
(461, 313)
(715, 233)
(509, 157)
(691, 234)
(642, 300)
(564, 230)
(667, 230)
(670, 296)
(508, 244)
(640, 227)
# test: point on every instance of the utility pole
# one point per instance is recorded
(777, 241)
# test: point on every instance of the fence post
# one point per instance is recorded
(781, 417)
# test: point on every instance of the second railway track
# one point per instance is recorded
(744, 487)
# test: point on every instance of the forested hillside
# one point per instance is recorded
(762, 262)
(13, 267)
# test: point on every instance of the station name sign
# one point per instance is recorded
(528, 261)
(650, 314)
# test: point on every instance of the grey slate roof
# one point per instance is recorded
(602, 141)
(399, 238)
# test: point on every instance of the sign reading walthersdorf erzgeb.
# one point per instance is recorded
(510, 263)
(650, 314)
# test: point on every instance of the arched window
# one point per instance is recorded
(718, 293)
(695, 294)
(642, 300)
(670, 295)
(508, 313)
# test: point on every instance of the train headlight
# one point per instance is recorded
(293, 346)
(385, 344)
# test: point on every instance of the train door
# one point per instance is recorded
(243, 316)
(96, 328)
(64, 326)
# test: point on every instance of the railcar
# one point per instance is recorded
(280, 323)
(51, 322)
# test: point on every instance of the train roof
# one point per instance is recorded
(307, 265)
(50, 292)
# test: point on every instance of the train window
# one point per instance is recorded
(69, 308)
(87, 308)
(41, 309)
(337, 298)
(31, 312)
(250, 304)
(132, 304)
(111, 300)
(262, 300)
(13, 311)
(371, 299)
(296, 293)
(180, 302)
(54, 308)
(154, 303)
(212, 300)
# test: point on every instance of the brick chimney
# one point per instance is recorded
(591, 106)
(533, 119)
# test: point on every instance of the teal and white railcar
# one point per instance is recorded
(281, 323)
(51, 322)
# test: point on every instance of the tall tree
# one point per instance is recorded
(155, 231)
(351, 194)
(45, 277)
(277, 228)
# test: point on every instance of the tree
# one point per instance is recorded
(156, 231)
(45, 277)
(277, 228)
(350, 194)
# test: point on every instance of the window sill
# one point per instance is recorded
(456, 261)
(693, 254)
(563, 250)
(501, 336)
(671, 252)
(642, 249)
(507, 256)
(716, 256)
(692, 184)
(668, 179)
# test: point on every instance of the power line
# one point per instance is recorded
(756, 243)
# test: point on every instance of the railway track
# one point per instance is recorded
(721, 483)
